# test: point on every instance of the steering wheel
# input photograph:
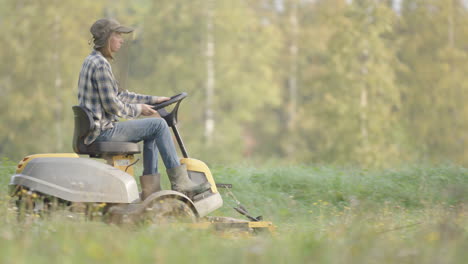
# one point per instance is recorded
(174, 99)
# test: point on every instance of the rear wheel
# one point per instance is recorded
(168, 210)
(30, 205)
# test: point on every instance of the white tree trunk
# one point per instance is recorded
(363, 115)
(210, 78)
(57, 84)
(451, 25)
(292, 80)
(364, 96)
(292, 87)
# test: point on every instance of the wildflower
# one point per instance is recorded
(433, 236)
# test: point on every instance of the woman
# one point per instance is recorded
(99, 93)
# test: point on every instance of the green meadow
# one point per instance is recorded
(323, 214)
(272, 83)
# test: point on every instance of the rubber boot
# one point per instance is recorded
(181, 182)
(149, 184)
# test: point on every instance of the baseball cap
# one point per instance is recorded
(102, 29)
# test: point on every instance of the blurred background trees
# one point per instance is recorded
(334, 81)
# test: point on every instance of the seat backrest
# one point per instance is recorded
(84, 123)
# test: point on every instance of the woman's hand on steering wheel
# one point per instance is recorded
(172, 100)
(147, 110)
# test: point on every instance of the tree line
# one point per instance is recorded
(332, 81)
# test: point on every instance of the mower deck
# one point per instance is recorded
(233, 225)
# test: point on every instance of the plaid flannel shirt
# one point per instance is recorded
(99, 93)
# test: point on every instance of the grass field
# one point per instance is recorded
(323, 214)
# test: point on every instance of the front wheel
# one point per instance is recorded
(168, 210)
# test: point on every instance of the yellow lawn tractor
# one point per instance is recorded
(109, 190)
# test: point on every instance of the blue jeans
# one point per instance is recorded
(156, 137)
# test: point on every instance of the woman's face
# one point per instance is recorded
(115, 41)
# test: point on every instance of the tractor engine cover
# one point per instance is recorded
(77, 180)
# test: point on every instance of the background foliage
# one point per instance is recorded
(330, 81)
(323, 214)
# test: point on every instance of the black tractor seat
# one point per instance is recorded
(84, 123)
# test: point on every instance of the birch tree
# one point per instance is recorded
(362, 98)
(433, 49)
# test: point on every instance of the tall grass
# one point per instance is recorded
(284, 193)
(413, 214)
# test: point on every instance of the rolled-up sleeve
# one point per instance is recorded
(109, 95)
